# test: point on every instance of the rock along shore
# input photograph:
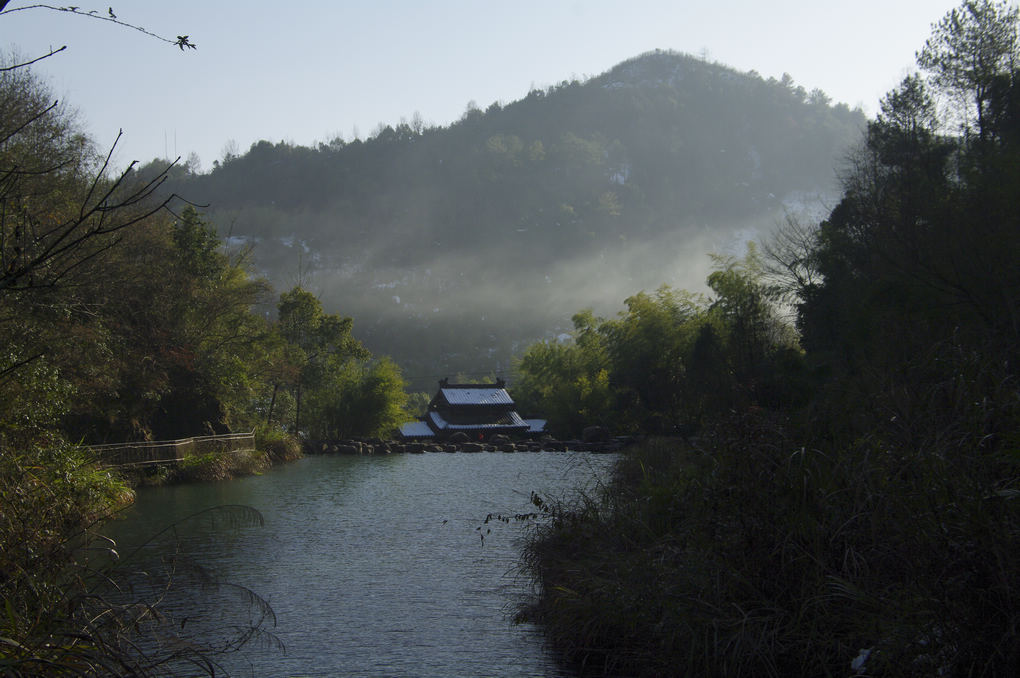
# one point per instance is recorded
(378, 446)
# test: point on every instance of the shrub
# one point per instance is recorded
(749, 554)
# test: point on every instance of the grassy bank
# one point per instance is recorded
(271, 448)
(67, 608)
(52, 497)
(750, 554)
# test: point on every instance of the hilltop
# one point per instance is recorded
(452, 247)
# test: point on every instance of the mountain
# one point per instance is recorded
(454, 247)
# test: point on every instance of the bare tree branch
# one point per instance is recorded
(180, 41)
(32, 61)
(788, 262)
(41, 257)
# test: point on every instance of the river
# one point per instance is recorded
(375, 565)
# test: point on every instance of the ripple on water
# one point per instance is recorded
(374, 566)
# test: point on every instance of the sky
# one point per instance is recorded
(307, 71)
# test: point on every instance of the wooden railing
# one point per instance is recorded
(169, 451)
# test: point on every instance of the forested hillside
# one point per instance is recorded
(455, 246)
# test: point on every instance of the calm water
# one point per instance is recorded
(375, 566)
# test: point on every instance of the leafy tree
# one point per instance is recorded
(968, 50)
(175, 347)
(568, 383)
(358, 399)
(324, 341)
(59, 210)
(669, 361)
(916, 248)
(59, 216)
(647, 346)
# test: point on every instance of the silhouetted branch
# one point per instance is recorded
(4, 69)
(181, 41)
(43, 258)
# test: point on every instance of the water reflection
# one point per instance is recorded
(381, 566)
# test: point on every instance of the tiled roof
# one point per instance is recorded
(508, 420)
(477, 396)
(535, 425)
(416, 429)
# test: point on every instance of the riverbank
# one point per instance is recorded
(280, 449)
(270, 450)
(379, 446)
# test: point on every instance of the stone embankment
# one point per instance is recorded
(377, 446)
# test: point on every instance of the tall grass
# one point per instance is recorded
(883, 539)
(71, 605)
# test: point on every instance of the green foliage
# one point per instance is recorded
(117, 321)
(185, 354)
(220, 465)
(197, 246)
(968, 50)
(566, 383)
(358, 399)
(74, 606)
(920, 247)
(278, 445)
(322, 354)
(668, 361)
(35, 398)
(50, 498)
(606, 181)
(417, 404)
(750, 555)
(60, 210)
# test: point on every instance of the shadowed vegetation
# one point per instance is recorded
(870, 525)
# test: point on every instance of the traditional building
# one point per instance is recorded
(478, 410)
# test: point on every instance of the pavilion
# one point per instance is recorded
(478, 410)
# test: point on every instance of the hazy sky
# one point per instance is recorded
(307, 71)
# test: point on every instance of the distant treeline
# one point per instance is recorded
(455, 246)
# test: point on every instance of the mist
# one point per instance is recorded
(455, 248)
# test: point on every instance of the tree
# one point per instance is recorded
(60, 216)
(648, 345)
(568, 382)
(58, 210)
(324, 340)
(359, 398)
(968, 50)
(165, 342)
(788, 265)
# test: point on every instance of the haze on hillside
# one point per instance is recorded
(455, 247)
(454, 244)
